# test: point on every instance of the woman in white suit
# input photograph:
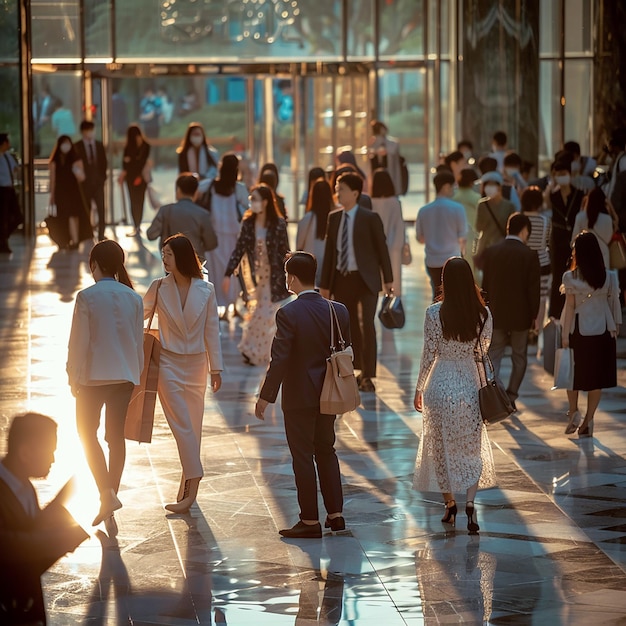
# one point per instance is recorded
(104, 363)
(186, 306)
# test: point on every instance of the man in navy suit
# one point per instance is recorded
(355, 256)
(511, 278)
(299, 352)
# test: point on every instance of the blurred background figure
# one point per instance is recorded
(198, 156)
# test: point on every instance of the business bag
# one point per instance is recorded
(564, 369)
(140, 413)
(551, 342)
(340, 392)
(391, 314)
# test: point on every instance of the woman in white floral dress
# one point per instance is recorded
(454, 454)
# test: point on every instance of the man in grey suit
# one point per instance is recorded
(299, 352)
(186, 217)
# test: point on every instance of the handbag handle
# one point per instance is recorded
(156, 296)
(335, 320)
(485, 359)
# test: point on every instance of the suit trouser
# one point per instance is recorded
(434, 274)
(89, 403)
(518, 340)
(311, 440)
(97, 195)
(182, 385)
(352, 291)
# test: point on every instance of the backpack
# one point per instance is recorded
(404, 175)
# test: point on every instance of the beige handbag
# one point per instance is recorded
(340, 392)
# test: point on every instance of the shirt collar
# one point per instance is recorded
(307, 291)
(514, 237)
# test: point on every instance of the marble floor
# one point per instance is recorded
(552, 545)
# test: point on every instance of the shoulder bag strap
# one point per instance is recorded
(502, 232)
(334, 321)
(156, 296)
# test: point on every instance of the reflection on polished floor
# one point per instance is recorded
(552, 546)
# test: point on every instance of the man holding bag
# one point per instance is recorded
(299, 352)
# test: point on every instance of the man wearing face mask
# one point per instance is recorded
(512, 176)
(582, 167)
(492, 214)
(94, 158)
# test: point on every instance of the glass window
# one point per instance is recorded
(55, 29)
(549, 111)
(578, 27)
(402, 29)
(578, 103)
(361, 29)
(9, 45)
(252, 30)
(550, 27)
(97, 16)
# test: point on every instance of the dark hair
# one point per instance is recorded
(467, 177)
(27, 427)
(187, 183)
(587, 259)
(513, 159)
(4, 137)
(86, 125)
(185, 144)
(465, 142)
(596, 204)
(572, 146)
(462, 307)
(109, 256)
(561, 164)
(500, 138)
(321, 203)
(516, 223)
(443, 178)
(226, 180)
(377, 126)
(132, 132)
(302, 265)
(314, 174)
(382, 185)
(272, 168)
(487, 164)
(453, 157)
(352, 180)
(346, 168)
(56, 154)
(531, 199)
(187, 262)
(273, 212)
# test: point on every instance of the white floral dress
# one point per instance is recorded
(454, 451)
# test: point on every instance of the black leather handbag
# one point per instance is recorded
(391, 314)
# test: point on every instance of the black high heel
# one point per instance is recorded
(450, 516)
(472, 523)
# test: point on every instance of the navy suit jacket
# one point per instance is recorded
(300, 349)
(370, 250)
(511, 278)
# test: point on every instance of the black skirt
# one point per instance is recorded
(595, 360)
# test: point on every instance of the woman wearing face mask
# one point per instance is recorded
(565, 202)
(263, 242)
(66, 174)
(196, 155)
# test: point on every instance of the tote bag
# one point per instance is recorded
(340, 392)
(140, 412)
(564, 369)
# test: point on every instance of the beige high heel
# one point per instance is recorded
(190, 493)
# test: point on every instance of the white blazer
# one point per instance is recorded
(192, 330)
(106, 340)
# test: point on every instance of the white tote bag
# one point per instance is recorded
(564, 369)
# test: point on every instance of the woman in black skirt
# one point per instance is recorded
(590, 325)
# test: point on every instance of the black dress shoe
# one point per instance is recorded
(367, 385)
(335, 524)
(303, 531)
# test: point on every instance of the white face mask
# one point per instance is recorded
(467, 154)
(562, 180)
(511, 171)
(575, 167)
(196, 140)
(256, 206)
(65, 147)
(492, 190)
(89, 135)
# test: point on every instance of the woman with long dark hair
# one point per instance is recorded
(263, 245)
(136, 173)
(188, 323)
(311, 236)
(454, 452)
(104, 363)
(197, 155)
(590, 325)
(227, 201)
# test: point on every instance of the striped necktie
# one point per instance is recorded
(343, 258)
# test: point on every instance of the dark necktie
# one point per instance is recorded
(343, 259)
(92, 154)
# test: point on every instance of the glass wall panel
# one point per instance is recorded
(578, 103)
(578, 26)
(10, 105)
(361, 33)
(55, 29)
(550, 27)
(549, 111)
(97, 25)
(319, 146)
(253, 30)
(9, 45)
(402, 29)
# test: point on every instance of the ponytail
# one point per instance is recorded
(122, 276)
(109, 256)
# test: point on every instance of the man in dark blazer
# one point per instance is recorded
(31, 540)
(352, 275)
(299, 352)
(511, 278)
(95, 163)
